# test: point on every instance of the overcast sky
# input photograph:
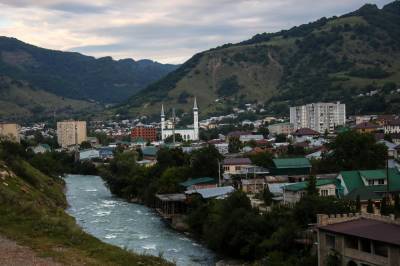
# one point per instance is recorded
(169, 31)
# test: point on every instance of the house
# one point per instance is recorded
(392, 126)
(246, 138)
(366, 127)
(369, 184)
(234, 166)
(146, 163)
(210, 193)
(199, 183)
(253, 186)
(358, 239)
(40, 148)
(291, 166)
(281, 128)
(392, 152)
(106, 153)
(294, 192)
(149, 152)
(89, 154)
(303, 134)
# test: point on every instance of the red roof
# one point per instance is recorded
(367, 228)
(395, 122)
(366, 125)
(306, 132)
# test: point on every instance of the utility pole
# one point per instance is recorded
(219, 173)
(173, 126)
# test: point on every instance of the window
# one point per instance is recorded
(380, 249)
(365, 245)
(381, 181)
(324, 192)
(370, 182)
(330, 241)
(237, 168)
(351, 242)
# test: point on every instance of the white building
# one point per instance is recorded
(186, 133)
(318, 116)
(392, 126)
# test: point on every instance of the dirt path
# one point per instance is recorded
(12, 254)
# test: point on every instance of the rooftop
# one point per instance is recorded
(303, 185)
(367, 228)
(217, 192)
(196, 181)
(306, 132)
(237, 161)
(292, 162)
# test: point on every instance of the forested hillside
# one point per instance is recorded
(354, 58)
(77, 76)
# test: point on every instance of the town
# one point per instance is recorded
(314, 152)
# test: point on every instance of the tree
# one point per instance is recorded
(178, 138)
(263, 129)
(358, 203)
(384, 207)
(263, 159)
(357, 151)
(280, 138)
(170, 179)
(234, 145)
(397, 203)
(312, 186)
(267, 196)
(85, 145)
(370, 207)
(204, 162)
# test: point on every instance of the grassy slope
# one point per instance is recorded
(18, 101)
(32, 213)
(289, 66)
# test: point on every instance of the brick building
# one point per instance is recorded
(147, 133)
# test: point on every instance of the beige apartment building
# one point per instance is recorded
(10, 131)
(71, 133)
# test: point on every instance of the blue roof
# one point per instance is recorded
(195, 181)
(216, 192)
(149, 151)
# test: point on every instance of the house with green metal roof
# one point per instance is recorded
(291, 166)
(292, 193)
(369, 184)
(197, 183)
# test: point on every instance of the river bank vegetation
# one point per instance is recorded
(231, 226)
(32, 212)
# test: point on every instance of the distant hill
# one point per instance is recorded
(343, 58)
(19, 101)
(77, 76)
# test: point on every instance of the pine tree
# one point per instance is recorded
(384, 206)
(358, 203)
(312, 186)
(370, 208)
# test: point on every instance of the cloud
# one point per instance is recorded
(166, 31)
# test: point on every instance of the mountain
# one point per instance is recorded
(20, 101)
(76, 76)
(354, 58)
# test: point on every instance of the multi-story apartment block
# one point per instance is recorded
(148, 133)
(10, 131)
(320, 117)
(71, 133)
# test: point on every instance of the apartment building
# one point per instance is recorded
(320, 117)
(71, 133)
(10, 131)
(148, 133)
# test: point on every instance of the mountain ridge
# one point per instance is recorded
(339, 58)
(77, 76)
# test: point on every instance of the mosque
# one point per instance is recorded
(187, 133)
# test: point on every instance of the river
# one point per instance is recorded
(128, 225)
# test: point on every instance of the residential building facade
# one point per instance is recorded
(281, 128)
(71, 133)
(358, 239)
(235, 166)
(148, 133)
(320, 117)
